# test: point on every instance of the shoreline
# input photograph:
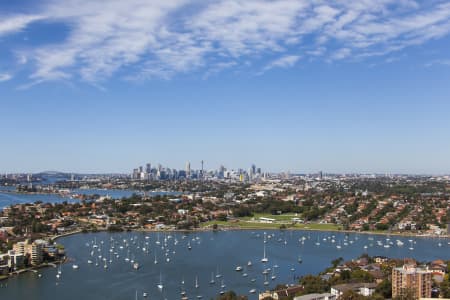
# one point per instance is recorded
(237, 228)
(34, 269)
(400, 234)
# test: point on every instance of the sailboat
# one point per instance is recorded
(265, 280)
(196, 282)
(273, 277)
(218, 275)
(59, 272)
(264, 259)
(156, 261)
(212, 278)
(245, 273)
(160, 284)
(183, 292)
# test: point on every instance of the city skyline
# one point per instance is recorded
(295, 86)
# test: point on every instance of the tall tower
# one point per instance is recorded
(202, 169)
(188, 170)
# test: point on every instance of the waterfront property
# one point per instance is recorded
(411, 281)
(364, 289)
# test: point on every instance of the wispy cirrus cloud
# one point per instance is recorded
(5, 77)
(283, 62)
(439, 62)
(141, 39)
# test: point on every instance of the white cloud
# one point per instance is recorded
(283, 62)
(145, 39)
(5, 77)
(15, 23)
(441, 62)
(341, 54)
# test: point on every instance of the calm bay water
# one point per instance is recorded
(8, 197)
(11, 198)
(212, 252)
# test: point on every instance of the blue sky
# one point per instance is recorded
(296, 86)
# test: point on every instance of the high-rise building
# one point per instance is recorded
(188, 170)
(37, 252)
(19, 248)
(34, 250)
(412, 282)
(201, 172)
(148, 168)
(135, 174)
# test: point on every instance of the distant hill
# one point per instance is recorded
(52, 173)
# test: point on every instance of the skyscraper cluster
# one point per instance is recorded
(159, 172)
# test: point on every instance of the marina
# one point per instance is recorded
(175, 265)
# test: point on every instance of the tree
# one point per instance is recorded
(381, 226)
(222, 217)
(314, 284)
(385, 289)
(359, 275)
(336, 262)
(445, 289)
(345, 275)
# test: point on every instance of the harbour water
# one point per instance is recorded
(210, 254)
(9, 197)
